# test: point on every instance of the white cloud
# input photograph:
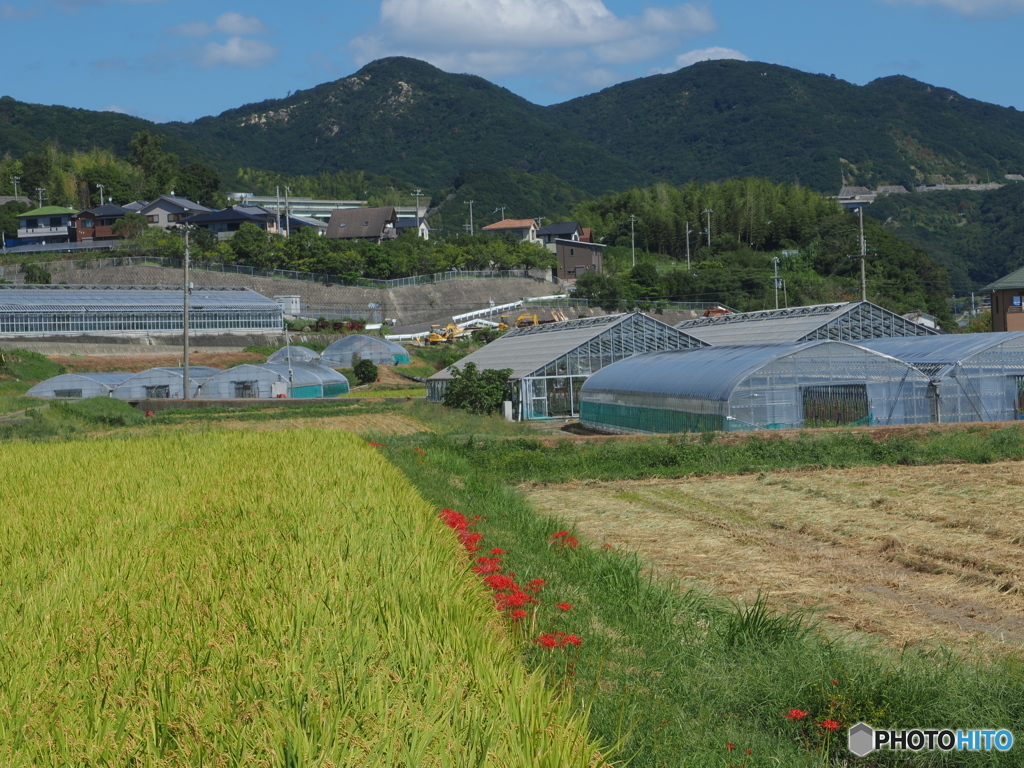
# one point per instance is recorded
(705, 54)
(505, 37)
(971, 7)
(230, 23)
(236, 52)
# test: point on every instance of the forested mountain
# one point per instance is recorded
(727, 119)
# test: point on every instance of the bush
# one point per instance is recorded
(365, 371)
(477, 391)
(101, 411)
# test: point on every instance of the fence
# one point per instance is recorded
(283, 274)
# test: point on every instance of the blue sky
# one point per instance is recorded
(186, 59)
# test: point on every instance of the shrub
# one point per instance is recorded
(477, 391)
(365, 371)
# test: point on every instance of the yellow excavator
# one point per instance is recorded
(446, 335)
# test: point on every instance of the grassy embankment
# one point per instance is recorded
(687, 674)
(230, 599)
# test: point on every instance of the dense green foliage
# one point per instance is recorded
(365, 371)
(477, 391)
(753, 223)
(977, 236)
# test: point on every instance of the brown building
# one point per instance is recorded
(576, 257)
(1007, 302)
(373, 224)
(96, 223)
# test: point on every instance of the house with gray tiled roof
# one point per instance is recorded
(166, 211)
(373, 224)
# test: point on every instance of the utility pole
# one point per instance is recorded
(277, 192)
(863, 253)
(39, 191)
(184, 325)
(470, 204)
(101, 193)
(287, 219)
(417, 194)
(14, 181)
(501, 209)
(632, 236)
(776, 260)
(708, 213)
(687, 246)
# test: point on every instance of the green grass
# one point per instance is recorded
(21, 369)
(216, 599)
(678, 674)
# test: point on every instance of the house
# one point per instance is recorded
(96, 223)
(373, 224)
(576, 257)
(227, 221)
(562, 230)
(413, 223)
(49, 224)
(1007, 294)
(166, 211)
(524, 229)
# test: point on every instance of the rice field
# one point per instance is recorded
(236, 599)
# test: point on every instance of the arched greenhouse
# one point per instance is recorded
(295, 354)
(156, 383)
(79, 385)
(299, 380)
(756, 386)
(373, 348)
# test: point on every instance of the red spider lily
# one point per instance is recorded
(514, 599)
(547, 641)
(557, 640)
(454, 519)
(835, 682)
(500, 581)
(497, 551)
(563, 606)
(829, 725)
(558, 535)
(534, 585)
(566, 542)
(375, 444)
(487, 565)
(571, 640)
(730, 746)
(748, 751)
(518, 614)
(795, 714)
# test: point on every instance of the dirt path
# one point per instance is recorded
(913, 555)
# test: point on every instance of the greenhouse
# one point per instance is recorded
(550, 362)
(79, 385)
(159, 383)
(975, 376)
(343, 353)
(43, 310)
(756, 386)
(847, 321)
(299, 380)
(295, 355)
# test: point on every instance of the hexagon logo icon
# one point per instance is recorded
(861, 739)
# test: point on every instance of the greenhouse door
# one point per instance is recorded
(835, 406)
(159, 391)
(1018, 397)
(245, 389)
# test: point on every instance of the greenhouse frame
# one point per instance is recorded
(78, 385)
(163, 383)
(975, 376)
(550, 362)
(44, 310)
(377, 350)
(298, 380)
(295, 354)
(756, 386)
(847, 321)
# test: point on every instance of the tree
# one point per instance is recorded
(200, 183)
(252, 246)
(37, 275)
(365, 371)
(131, 225)
(477, 391)
(158, 168)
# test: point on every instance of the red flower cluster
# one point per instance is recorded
(458, 522)
(563, 540)
(563, 606)
(829, 725)
(375, 444)
(795, 714)
(557, 640)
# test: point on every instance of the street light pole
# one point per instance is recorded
(708, 212)
(185, 291)
(863, 253)
(417, 194)
(39, 191)
(101, 193)
(470, 204)
(687, 246)
(14, 181)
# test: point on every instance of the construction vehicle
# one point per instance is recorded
(447, 335)
(525, 320)
(717, 311)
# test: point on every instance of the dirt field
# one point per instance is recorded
(136, 363)
(385, 423)
(912, 555)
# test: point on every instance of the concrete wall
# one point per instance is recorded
(410, 305)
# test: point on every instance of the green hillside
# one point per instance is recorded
(726, 119)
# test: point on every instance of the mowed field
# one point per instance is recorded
(911, 555)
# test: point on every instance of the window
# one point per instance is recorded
(836, 405)
(245, 389)
(366, 223)
(67, 393)
(31, 223)
(87, 223)
(56, 221)
(158, 391)
(177, 216)
(153, 219)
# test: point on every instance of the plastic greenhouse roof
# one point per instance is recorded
(195, 372)
(64, 380)
(942, 352)
(708, 373)
(778, 325)
(96, 298)
(358, 341)
(303, 374)
(298, 355)
(525, 350)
